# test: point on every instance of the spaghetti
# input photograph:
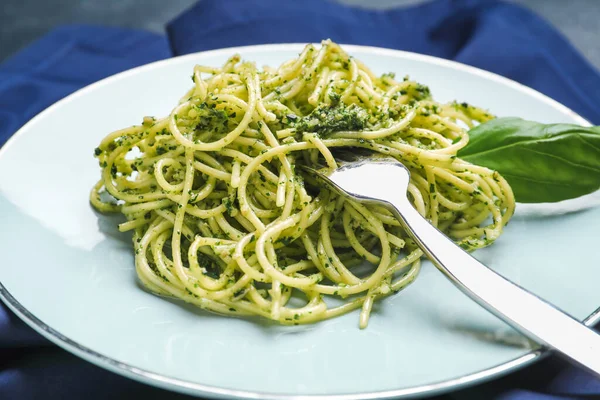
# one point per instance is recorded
(223, 220)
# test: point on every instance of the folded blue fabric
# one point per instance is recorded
(65, 60)
(492, 35)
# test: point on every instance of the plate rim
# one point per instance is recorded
(197, 389)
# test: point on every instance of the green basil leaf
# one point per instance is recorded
(543, 163)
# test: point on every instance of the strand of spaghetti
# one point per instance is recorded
(230, 136)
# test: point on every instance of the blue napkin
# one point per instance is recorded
(488, 34)
(65, 60)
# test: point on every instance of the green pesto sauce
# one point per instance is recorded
(211, 119)
(325, 120)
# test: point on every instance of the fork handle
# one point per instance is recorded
(521, 309)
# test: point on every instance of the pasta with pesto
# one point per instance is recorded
(222, 219)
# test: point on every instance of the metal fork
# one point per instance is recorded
(384, 181)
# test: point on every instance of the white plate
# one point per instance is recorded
(67, 272)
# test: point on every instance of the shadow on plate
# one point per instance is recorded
(548, 210)
(504, 336)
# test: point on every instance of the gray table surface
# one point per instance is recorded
(22, 21)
